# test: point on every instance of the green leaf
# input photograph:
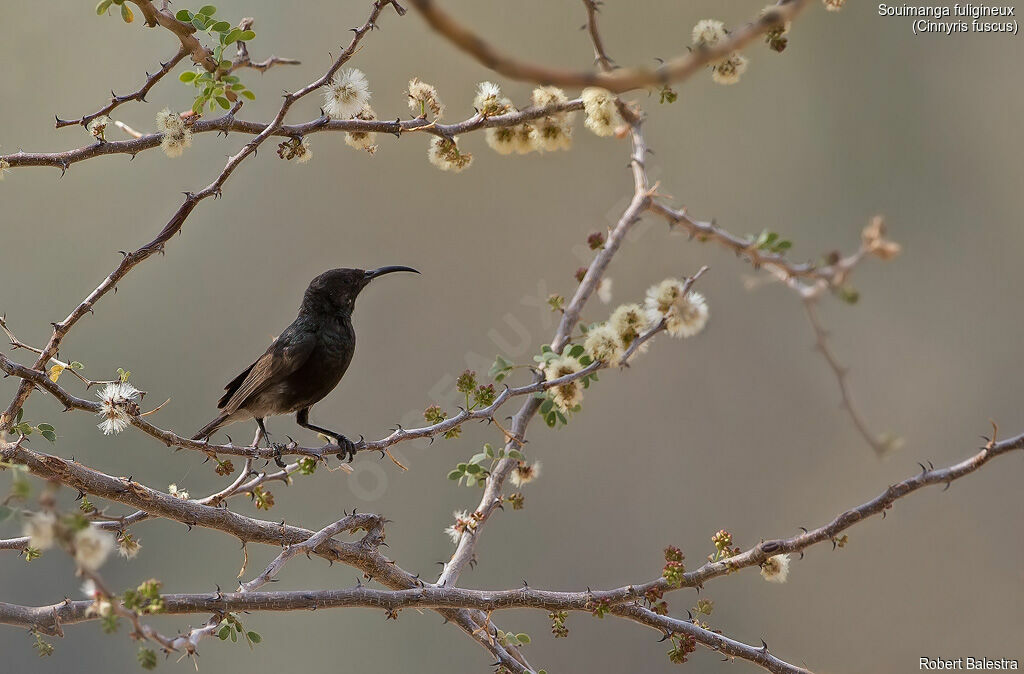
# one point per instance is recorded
(550, 419)
(254, 637)
(199, 21)
(223, 633)
(183, 15)
(220, 26)
(187, 76)
(208, 10)
(473, 469)
(248, 94)
(126, 14)
(49, 435)
(103, 6)
(45, 427)
(455, 475)
(234, 637)
(523, 638)
(233, 36)
(224, 103)
(479, 458)
(515, 454)
(246, 35)
(576, 351)
(545, 406)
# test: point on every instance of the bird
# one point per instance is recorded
(305, 363)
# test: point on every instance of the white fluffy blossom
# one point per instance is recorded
(346, 95)
(489, 101)
(603, 343)
(445, 155)
(92, 547)
(603, 116)
(570, 394)
(176, 134)
(775, 569)
(728, 71)
(501, 139)
(524, 473)
(708, 32)
(834, 5)
(117, 405)
(177, 492)
(464, 522)
(552, 132)
(526, 139)
(41, 530)
(685, 315)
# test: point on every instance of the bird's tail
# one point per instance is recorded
(212, 427)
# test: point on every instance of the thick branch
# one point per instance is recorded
(620, 80)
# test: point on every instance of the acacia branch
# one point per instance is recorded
(227, 122)
(619, 80)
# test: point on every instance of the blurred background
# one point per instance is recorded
(739, 428)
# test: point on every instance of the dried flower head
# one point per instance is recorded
(708, 33)
(117, 406)
(685, 315)
(127, 545)
(363, 140)
(489, 101)
(524, 473)
(603, 116)
(347, 94)
(177, 136)
(834, 5)
(5, 166)
(728, 71)
(873, 239)
(92, 547)
(603, 343)
(629, 322)
(41, 529)
(445, 155)
(775, 569)
(423, 97)
(296, 148)
(174, 491)
(568, 395)
(98, 126)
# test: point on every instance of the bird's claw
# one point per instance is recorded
(348, 448)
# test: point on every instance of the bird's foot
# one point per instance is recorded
(278, 448)
(348, 448)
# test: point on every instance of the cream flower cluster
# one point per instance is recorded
(177, 136)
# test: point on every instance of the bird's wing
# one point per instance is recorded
(284, 356)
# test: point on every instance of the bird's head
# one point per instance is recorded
(335, 290)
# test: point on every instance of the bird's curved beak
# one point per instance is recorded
(380, 271)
